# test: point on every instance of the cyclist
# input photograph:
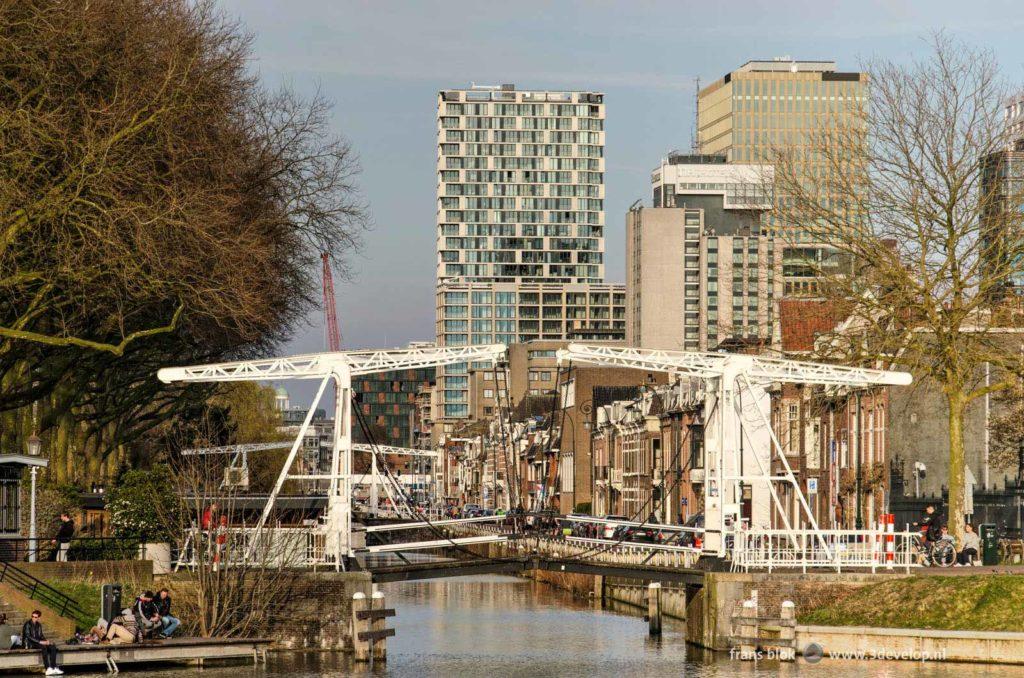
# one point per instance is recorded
(930, 526)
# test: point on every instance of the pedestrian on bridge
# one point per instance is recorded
(62, 541)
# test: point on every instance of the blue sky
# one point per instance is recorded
(382, 63)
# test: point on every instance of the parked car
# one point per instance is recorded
(636, 533)
(471, 510)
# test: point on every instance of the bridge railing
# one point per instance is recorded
(874, 549)
(245, 546)
(595, 550)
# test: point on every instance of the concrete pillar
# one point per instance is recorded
(599, 588)
(748, 629)
(654, 608)
(787, 631)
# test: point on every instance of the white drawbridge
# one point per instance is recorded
(340, 367)
(738, 433)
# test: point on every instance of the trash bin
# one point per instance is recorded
(110, 601)
(989, 544)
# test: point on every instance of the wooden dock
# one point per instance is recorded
(113, 656)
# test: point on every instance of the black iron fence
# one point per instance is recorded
(19, 549)
(37, 589)
(1003, 507)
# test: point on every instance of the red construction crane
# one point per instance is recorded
(330, 314)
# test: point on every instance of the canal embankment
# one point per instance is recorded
(959, 617)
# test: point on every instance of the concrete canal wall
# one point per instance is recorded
(709, 612)
(319, 617)
(994, 647)
(632, 593)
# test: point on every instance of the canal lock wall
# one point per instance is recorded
(319, 614)
(706, 609)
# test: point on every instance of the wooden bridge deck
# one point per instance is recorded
(171, 650)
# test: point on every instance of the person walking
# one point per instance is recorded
(63, 539)
(34, 639)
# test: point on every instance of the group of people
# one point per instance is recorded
(148, 617)
(934, 531)
(215, 528)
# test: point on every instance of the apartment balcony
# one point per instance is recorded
(615, 476)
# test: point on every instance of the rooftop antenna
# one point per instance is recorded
(695, 136)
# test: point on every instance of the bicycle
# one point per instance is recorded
(940, 553)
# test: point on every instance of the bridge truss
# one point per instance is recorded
(739, 439)
(339, 367)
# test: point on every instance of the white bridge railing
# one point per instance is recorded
(760, 549)
(270, 547)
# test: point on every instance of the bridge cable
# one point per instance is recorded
(434, 529)
(602, 548)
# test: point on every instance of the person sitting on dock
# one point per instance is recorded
(163, 607)
(972, 545)
(33, 638)
(114, 633)
(147, 616)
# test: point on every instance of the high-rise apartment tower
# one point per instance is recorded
(520, 223)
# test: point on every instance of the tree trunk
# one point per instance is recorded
(955, 516)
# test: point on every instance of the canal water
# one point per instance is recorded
(496, 626)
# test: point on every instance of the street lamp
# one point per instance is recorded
(34, 447)
(859, 520)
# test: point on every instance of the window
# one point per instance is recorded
(488, 392)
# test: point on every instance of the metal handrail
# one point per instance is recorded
(37, 589)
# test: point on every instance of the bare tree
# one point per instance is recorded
(926, 239)
(234, 580)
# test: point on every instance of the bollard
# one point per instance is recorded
(361, 648)
(787, 632)
(378, 648)
(654, 608)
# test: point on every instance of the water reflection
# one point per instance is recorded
(494, 626)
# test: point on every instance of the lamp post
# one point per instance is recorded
(34, 447)
(859, 518)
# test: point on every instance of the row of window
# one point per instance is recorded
(512, 123)
(525, 256)
(532, 203)
(526, 163)
(525, 216)
(520, 137)
(503, 272)
(534, 110)
(527, 298)
(533, 231)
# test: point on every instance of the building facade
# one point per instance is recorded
(701, 272)
(388, 401)
(1002, 196)
(520, 220)
(509, 313)
(782, 104)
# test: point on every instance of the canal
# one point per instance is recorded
(496, 626)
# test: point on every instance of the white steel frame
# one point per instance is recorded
(735, 385)
(340, 367)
